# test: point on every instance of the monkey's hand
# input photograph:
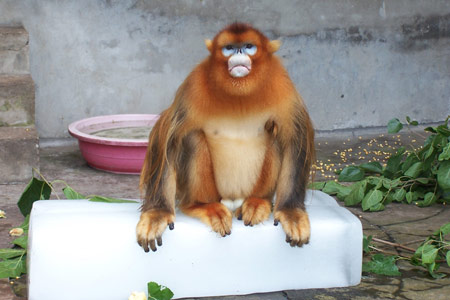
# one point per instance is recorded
(151, 227)
(215, 214)
(295, 224)
(254, 211)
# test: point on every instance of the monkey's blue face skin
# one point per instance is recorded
(248, 49)
(239, 62)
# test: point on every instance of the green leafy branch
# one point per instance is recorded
(13, 260)
(420, 176)
(431, 253)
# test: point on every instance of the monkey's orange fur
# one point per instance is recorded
(230, 138)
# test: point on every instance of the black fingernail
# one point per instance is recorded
(275, 222)
(159, 240)
(171, 226)
(240, 217)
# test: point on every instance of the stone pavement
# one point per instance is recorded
(399, 223)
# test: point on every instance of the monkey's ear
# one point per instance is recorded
(208, 44)
(274, 45)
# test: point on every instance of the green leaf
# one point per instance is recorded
(357, 193)
(390, 184)
(11, 253)
(414, 170)
(412, 196)
(377, 207)
(381, 264)
(443, 175)
(444, 230)
(350, 174)
(431, 270)
(332, 188)
(366, 243)
(394, 162)
(443, 130)
(429, 255)
(410, 122)
(429, 198)
(372, 199)
(21, 241)
(317, 185)
(429, 152)
(26, 223)
(430, 129)
(13, 267)
(399, 195)
(35, 190)
(394, 126)
(373, 166)
(110, 200)
(423, 180)
(71, 194)
(409, 161)
(158, 292)
(445, 154)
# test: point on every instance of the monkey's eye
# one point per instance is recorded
(249, 49)
(228, 50)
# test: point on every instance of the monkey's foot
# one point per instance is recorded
(216, 215)
(295, 224)
(151, 227)
(254, 211)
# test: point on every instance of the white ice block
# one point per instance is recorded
(85, 250)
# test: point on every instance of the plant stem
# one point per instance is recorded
(393, 244)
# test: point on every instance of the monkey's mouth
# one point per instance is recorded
(239, 70)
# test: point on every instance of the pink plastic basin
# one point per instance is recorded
(117, 155)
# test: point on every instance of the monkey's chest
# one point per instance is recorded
(237, 150)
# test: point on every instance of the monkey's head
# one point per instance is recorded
(240, 59)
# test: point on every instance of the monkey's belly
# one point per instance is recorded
(237, 164)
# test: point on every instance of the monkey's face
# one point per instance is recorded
(240, 59)
(239, 52)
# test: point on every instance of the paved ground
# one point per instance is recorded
(404, 224)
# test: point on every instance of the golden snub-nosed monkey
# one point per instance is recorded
(236, 133)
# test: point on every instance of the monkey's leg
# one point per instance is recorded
(201, 198)
(257, 208)
(157, 213)
(289, 208)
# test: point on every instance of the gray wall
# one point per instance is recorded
(357, 63)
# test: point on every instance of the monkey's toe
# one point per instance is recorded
(295, 223)
(255, 210)
(151, 226)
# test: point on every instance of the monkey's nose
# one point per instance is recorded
(239, 65)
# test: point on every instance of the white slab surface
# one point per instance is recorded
(85, 250)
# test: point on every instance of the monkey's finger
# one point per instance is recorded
(275, 222)
(144, 244)
(301, 243)
(239, 217)
(293, 243)
(288, 239)
(152, 245)
(159, 241)
(171, 226)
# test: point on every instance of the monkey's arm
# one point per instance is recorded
(296, 139)
(158, 176)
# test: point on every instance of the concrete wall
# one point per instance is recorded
(357, 63)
